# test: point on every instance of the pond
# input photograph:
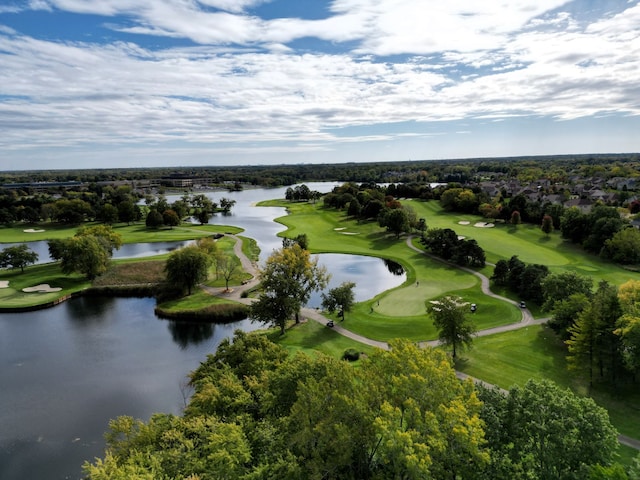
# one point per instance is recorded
(66, 371)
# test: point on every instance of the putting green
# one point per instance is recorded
(409, 300)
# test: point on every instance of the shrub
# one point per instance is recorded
(351, 355)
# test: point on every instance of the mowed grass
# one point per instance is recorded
(400, 312)
(526, 241)
(512, 358)
(312, 338)
(48, 273)
(134, 233)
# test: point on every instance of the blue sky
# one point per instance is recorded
(124, 83)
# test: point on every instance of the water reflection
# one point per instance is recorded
(86, 310)
(188, 333)
(394, 267)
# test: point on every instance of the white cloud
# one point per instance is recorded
(485, 61)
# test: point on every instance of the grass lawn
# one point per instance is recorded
(198, 300)
(134, 233)
(50, 273)
(512, 358)
(400, 312)
(526, 241)
(312, 338)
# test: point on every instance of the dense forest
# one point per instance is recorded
(558, 167)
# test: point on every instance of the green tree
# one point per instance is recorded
(501, 273)
(154, 219)
(565, 312)
(226, 204)
(187, 267)
(340, 298)
(108, 214)
(542, 431)
(574, 225)
(88, 252)
(560, 286)
(395, 220)
(128, 211)
(623, 247)
(287, 281)
(450, 319)
(628, 325)
(71, 212)
(227, 266)
(18, 256)
(593, 343)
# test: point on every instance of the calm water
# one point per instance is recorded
(66, 371)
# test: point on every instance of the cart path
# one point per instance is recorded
(313, 314)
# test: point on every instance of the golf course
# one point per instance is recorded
(503, 359)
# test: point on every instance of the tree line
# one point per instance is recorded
(257, 412)
(600, 328)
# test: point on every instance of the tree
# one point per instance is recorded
(71, 212)
(18, 256)
(396, 220)
(531, 278)
(128, 211)
(187, 267)
(203, 208)
(628, 326)
(547, 224)
(449, 318)
(593, 343)
(560, 286)
(226, 204)
(82, 254)
(340, 298)
(542, 431)
(108, 214)
(623, 247)
(501, 273)
(515, 218)
(565, 313)
(226, 265)
(287, 281)
(154, 219)
(574, 225)
(88, 252)
(170, 218)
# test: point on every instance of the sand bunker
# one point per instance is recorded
(33, 230)
(4, 283)
(349, 233)
(463, 222)
(484, 225)
(340, 228)
(461, 237)
(43, 287)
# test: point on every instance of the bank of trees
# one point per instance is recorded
(446, 244)
(259, 413)
(600, 328)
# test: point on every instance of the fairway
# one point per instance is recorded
(400, 312)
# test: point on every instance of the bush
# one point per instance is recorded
(351, 355)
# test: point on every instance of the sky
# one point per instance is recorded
(143, 83)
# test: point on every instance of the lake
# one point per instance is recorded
(66, 371)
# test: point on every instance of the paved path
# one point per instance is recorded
(313, 314)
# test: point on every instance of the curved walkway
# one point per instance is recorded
(313, 314)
